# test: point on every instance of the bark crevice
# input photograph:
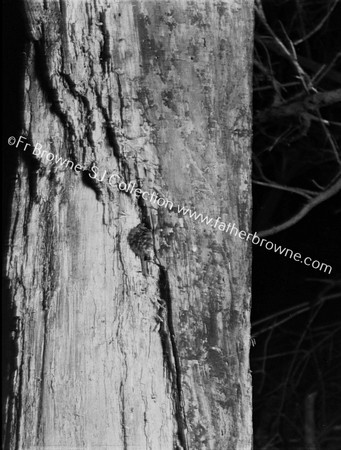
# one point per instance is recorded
(121, 98)
(40, 408)
(123, 420)
(171, 356)
(52, 94)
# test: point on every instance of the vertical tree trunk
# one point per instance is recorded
(115, 351)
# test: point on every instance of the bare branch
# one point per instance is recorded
(319, 25)
(294, 108)
(280, 313)
(330, 139)
(266, 88)
(282, 49)
(323, 196)
(305, 193)
(277, 324)
(309, 422)
(270, 76)
(327, 72)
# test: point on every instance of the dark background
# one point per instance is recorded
(297, 356)
(13, 47)
(302, 355)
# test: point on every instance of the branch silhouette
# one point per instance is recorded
(323, 196)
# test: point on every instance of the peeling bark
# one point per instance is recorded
(110, 356)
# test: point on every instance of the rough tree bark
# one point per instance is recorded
(110, 356)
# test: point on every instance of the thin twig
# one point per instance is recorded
(277, 324)
(280, 313)
(268, 72)
(266, 88)
(293, 361)
(309, 421)
(323, 196)
(319, 25)
(330, 138)
(263, 368)
(295, 108)
(283, 49)
(327, 69)
(305, 193)
(276, 355)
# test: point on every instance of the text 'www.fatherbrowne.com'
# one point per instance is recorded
(255, 239)
(218, 224)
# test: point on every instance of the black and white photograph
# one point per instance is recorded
(171, 231)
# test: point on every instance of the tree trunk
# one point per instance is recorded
(142, 345)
